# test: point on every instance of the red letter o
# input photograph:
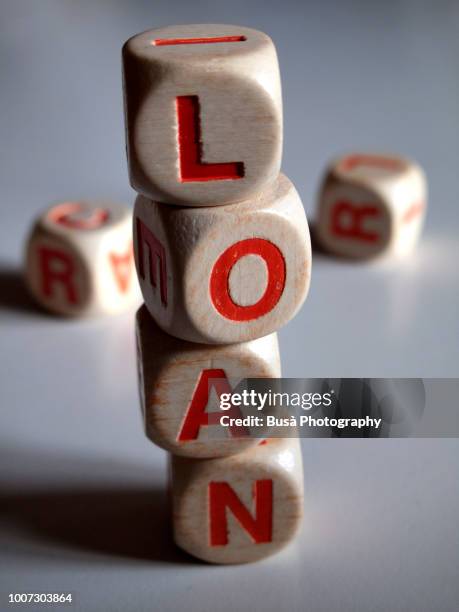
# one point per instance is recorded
(63, 214)
(219, 279)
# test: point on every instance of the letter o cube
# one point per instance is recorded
(241, 508)
(203, 113)
(370, 205)
(224, 274)
(79, 259)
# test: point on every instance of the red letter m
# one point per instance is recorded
(156, 251)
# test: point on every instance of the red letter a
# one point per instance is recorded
(196, 415)
(122, 268)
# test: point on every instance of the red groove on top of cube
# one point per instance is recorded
(377, 161)
(65, 214)
(163, 42)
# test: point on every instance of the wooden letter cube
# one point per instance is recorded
(371, 204)
(240, 508)
(224, 274)
(203, 113)
(79, 259)
(181, 383)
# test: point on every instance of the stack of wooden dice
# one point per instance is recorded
(223, 257)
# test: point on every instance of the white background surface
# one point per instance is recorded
(82, 497)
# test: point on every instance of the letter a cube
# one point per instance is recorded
(181, 384)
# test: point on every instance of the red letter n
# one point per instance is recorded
(196, 415)
(56, 266)
(347, 221)
(156, 251)
(222, 496)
